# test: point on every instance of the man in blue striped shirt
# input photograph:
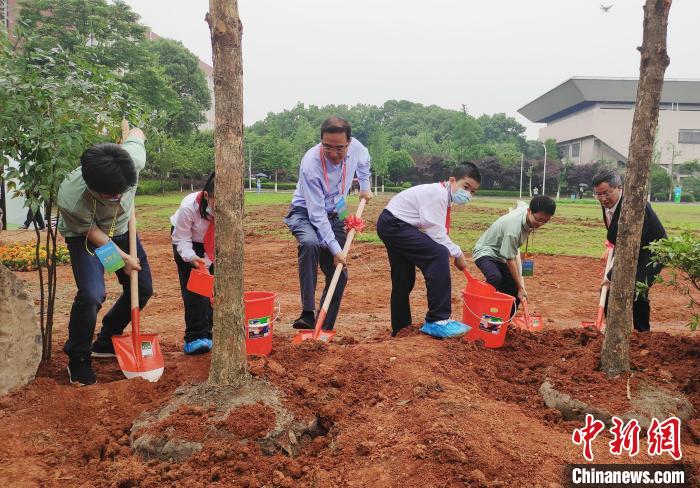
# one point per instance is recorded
(317, 214)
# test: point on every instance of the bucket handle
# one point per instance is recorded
(278, 306)
(475, 315)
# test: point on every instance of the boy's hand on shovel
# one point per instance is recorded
(131, 264)
(461, 263)
(522, 294)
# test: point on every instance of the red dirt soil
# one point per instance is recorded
(404, 411)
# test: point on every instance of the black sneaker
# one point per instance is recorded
(305, 321)
(100, 350)
(80, 372)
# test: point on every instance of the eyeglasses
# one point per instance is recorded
(328, 147)
(605, 194)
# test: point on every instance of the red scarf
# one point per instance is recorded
(449, 209)
(209, 246)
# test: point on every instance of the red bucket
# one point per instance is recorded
(488, 313)
(201, 282)
(259, 319)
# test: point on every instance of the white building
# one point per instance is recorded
(591, 119)
(209, 114)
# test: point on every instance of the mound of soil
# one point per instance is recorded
(660, 359)
(435, 413)
(404, 411)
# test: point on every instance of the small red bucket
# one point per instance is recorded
(488, 313)
(201, 282)
(260, 315)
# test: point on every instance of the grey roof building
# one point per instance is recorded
(591, 119)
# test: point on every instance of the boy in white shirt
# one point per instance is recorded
(414, 227)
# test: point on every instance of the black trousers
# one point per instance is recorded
(199, 315)
(89, 279)
(409, 248)
(641, 312)
(498, 275)
(310, 256)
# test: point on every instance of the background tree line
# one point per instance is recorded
(102, 48)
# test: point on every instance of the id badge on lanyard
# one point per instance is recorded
(108, 254)
(528, 268)
(109, 257)
(340, 206)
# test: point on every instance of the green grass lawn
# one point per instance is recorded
(576, 230)
(154, 211)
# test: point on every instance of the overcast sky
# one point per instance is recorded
(491, 55)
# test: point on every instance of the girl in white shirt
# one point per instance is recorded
(193, 245)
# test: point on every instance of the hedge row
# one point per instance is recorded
(153, 187)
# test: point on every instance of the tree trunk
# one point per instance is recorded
(275, 181)
(228, 361)
(615, 356)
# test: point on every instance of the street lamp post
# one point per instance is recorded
(250, 166)
(522, 161)
(544, 169)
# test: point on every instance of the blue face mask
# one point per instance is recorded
(461, 196)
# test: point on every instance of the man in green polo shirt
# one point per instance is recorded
(95, 202)
(497, 252)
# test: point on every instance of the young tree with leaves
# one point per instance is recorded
(47, 118)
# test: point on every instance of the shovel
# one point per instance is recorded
(532, 322)
(600, 319)
(139, 355)
(327, 335)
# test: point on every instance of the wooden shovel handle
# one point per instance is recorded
(339, 267)
(134, 277)
(604, 289)
(336, 275)
(125, 130)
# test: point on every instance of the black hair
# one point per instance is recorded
(204, 202)
(543, 203)
(608, 176)
(466, 169)
(108, 169)
(336, 125)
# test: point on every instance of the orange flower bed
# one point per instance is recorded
(22, 257)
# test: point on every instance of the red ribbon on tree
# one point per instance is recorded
(353, 222)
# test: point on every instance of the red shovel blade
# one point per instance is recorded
(599, 321)
(317, 334)
(305, 335)
(141, 357)
(201, 282)
(527, 321)
(536, 322)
